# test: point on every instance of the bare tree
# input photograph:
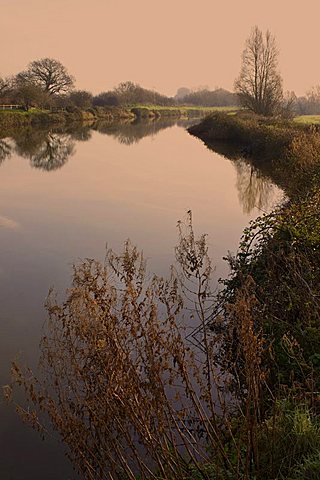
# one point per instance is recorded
(313, 100)
(49, 74)
(259, 85)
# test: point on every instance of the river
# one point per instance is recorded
(64, 195)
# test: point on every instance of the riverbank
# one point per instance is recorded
(276, 147)
(34, 117)
(157, 111)
(270, 300)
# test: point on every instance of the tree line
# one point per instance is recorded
(46, 83)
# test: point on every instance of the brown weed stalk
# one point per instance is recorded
(130, 391)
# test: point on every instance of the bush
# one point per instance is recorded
(105, 99)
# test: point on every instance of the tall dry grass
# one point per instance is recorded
(134, 395)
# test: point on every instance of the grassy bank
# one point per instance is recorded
(255, 136)
(270, 344)
(287, 151)
(35, 117)
(155, 111)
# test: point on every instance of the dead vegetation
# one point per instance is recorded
(134, 395)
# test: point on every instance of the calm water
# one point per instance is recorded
(64, 195)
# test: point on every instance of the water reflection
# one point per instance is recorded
(50, 149)
(254, 189)
(53, 152)
(5, 150)
(45, 150)
(130, 133)
(80, 132)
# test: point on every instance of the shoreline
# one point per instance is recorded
(10, 120)
(286, 151)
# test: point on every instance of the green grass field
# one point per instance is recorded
(307, 119)
(186, 108)
(24, 112)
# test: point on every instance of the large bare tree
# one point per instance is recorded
(259, 85)
(49, 74)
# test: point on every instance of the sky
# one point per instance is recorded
(161, 45)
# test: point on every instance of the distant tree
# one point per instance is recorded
(182, 92)
(49, 74)
(126, 87)
(81, 98)
(199, 88)
(313, 95)
(29, 95)
(259, 85)
(309, 104)
(301, 106)
(105, 99)
(289, 104)
(313, 100)
(133, 93)
(127, 92)
(207, 98)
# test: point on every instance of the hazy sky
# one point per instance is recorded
(161, 44)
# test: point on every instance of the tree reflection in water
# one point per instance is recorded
(79, 132)
(254, 184)
(128, 133)
(254, 190)
(45, 150)
(5, 150)
(53, 153)
(50, 149)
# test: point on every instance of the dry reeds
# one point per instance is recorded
(134, 395)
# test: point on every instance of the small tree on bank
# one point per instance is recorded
(259, 85)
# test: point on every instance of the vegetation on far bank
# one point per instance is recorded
(287, 151)
(307, 119)
(35, 116)
(46, 83)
